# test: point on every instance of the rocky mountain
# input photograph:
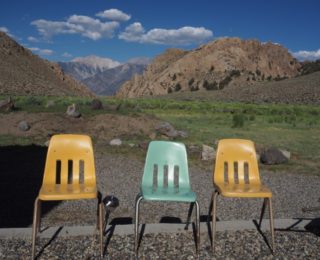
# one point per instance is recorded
(109, 81)
(84, 67)
(217, 65)
(23, 73)
(102, 75)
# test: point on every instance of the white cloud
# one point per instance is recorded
(32, 39)
(4, 29)
(77, 24)
(133, 33)
(307, 55)
(66, 55)
(182, 36)
(115, 15)
(39, 51)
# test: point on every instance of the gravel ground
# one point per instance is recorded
(291, 192)
(229, 245)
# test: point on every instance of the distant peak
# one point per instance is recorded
(97, 62)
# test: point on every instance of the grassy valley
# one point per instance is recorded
(295, 128)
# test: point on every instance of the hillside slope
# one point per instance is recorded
(23, 73)
(216, 65)
(299, 90)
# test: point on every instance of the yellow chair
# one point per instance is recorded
(69, 175)
(236, 174)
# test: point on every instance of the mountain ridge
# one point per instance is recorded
(106, 78)
(213, 66)
(24, 73)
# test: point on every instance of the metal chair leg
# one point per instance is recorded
(271, 224)
(214, 209)
(198, 227)
(36, 222)
(136, 224)
(262, 211)
(99, 198)
(101, 227)
(189, 215)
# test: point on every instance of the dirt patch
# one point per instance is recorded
(102, 127)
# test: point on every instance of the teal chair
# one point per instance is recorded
(166, 178)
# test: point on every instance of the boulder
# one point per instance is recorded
(115, 142)
(50, 103)
(208, 153)
(96, 104)
(153, 136)
(286, 153)
(168, 130)
(24, 126)
(272, 156)
(72, 111)
(6, 105)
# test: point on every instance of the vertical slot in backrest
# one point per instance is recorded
(165, 176)
(58, 172)
(81, 172)
(70, 171)
(225, 172)
(246, 173)
(176, 177)
(155, 177)
(235, 172)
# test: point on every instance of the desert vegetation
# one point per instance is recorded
(292, 127)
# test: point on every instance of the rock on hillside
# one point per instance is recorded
(216, 65)
(23, 73)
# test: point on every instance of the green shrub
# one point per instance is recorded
(224, 82)
(177, 87)
(191, 81)
(235, 73)
(238, 120)
(194, 88)
(258, 72)
(210, 86)
(174, 77)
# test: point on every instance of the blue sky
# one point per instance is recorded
(120, 30)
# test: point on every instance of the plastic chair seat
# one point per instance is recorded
(178, 195)
(67, 192)
(243, 190)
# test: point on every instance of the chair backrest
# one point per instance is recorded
(236, 162)
(166, 166)
(70, 160)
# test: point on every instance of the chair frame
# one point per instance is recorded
(214, 216)
(137, 217)
(37, 216)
